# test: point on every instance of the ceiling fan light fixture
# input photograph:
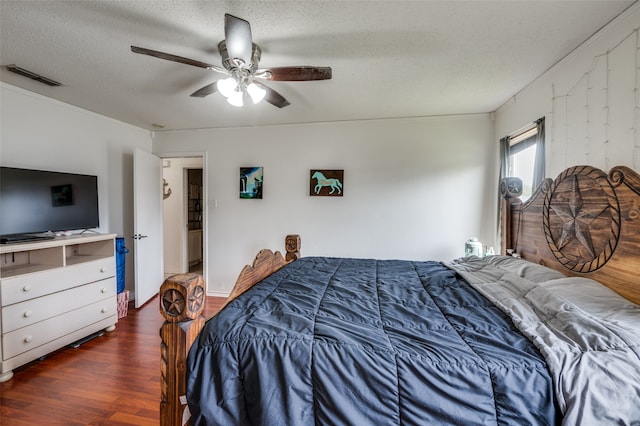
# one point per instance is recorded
(256, 92)
(227, 86)
(236, 98)
(240, 59)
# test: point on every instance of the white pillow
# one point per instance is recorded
(596, 299)
(586, 294)
(523, 268)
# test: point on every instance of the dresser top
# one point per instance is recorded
(55, 242)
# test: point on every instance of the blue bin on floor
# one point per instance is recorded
(121, 251)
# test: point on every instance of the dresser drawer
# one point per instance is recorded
(32, 336)
(32, 311)
(28, 286)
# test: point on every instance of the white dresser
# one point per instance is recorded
(53, 293)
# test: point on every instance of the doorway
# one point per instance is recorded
(184, 215)
(194, 220)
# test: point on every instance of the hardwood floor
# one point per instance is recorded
(111, 380)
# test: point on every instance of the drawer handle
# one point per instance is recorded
(103, 290)
(27, 314)
(103, 269)
(26, 288)
(103, 310)
(28, 339)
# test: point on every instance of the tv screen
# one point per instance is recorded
(38, 201)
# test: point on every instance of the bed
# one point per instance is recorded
(548, 332)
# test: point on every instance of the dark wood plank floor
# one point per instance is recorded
(111, 380)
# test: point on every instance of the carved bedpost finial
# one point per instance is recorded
(621, 174)
(510, 190)
(292, 245)
(182, 297)
(511, 187)
(182, 300)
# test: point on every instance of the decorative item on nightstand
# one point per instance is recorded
(511, 186)
(292, 244)
(473, 247)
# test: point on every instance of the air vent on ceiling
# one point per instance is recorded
(32, 75)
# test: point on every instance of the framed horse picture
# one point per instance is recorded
(326, 183)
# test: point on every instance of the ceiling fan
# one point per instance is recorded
(240, 58)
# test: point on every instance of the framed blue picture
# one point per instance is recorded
(251, 182)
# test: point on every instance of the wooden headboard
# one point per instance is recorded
(586, 223)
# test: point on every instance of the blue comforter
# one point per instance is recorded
(329, 341)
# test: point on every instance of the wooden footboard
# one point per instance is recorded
(265, 264)
(182, 300)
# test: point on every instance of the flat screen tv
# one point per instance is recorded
(35, 202)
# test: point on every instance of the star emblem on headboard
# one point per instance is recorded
(577, 217)
(582, 219)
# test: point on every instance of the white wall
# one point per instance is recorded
(413, 188)
(590, 100)
(41, 133)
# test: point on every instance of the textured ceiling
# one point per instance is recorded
(389, 58)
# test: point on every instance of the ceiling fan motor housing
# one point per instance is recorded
(234, 63)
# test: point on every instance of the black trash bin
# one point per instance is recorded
(121, 251)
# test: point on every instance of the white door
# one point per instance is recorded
(147, 225)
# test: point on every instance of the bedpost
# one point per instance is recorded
(292, 245)
(182, 299)
(510, 190)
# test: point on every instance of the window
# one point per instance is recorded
(523, 157)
